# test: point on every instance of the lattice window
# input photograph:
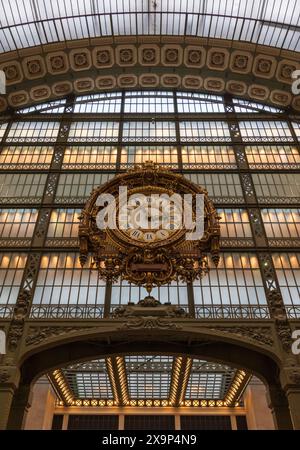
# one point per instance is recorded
(199, 103)
(124, 292)
(287, 267)
(27, 188)
(234, 289)
(3, 127)
(89, 380)
(149, 376)
(223, 187)
(208, 380)
(149, 131)
(241, 106)
(33, 132)
(26, 157)
(11, 271)
(90, 157)
(296, 127)
(93, 131)
(161, 155)
(76, 188)
(272, 157)
(265, 130)
(17, 223)
(201, 131)
(281, 223)
(64, 289)
(56, 106)
(64, 223)
(234, 223)
(101, 103)
(149, 102)
(273, 187)
(210, 157)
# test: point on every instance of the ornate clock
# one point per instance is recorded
(146, 240)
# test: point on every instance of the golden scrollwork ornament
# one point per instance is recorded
(148, 252)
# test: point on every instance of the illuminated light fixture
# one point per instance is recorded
(180, 376)
(235, 391)
(61, 386)
(117, 375)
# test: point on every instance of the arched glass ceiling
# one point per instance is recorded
(25, 23)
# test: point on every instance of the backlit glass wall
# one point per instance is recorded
(45, 175)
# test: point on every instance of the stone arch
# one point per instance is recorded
(214, 346)
(223, 346)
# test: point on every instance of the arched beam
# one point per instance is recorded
(217, 66)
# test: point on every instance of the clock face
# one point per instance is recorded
(151, 221)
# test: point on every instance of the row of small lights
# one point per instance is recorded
(59, 379)
(233, 392)
(149, 403)
(63, 387)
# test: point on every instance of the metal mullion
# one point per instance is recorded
(120, 143)
(177, 130)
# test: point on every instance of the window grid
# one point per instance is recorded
(89, 380)
(201, 131)
(208, 157)
(274, 187)
(281, 223)
(15, 188)
(76, 187)
(107, 103)
(273, 25)
(149, 377)
(276, 157)
(17, 223)
(296, 127)
(208, 380)
(167, 156)
(287, 266)
(223, 188)
(26, 157)
(90, 157)
(3, 127)
(33, 131)
(205, 386)
(56, 106)
(234, 289)
(234, 223)
(199, 103)
(65, 289)
(155, 131)
(64, 223)
(93, 131)
(152, 104)
(11, 272)
(265, 130)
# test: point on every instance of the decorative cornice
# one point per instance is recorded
(261, 335)
(149, 323)
(37, 335)
(259, 73)
(4, 376)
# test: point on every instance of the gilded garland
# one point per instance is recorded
(152, 238)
